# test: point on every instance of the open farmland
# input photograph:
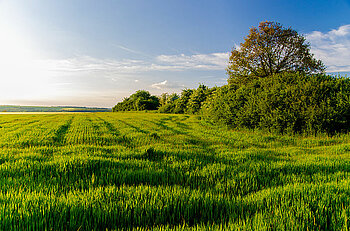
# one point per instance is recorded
(140, 170)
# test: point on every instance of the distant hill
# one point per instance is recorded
(12, 108)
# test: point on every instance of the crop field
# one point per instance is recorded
(145, 171)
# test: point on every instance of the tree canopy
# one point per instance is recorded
(271, 49)
(141, 100)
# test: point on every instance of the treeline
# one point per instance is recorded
(274, 84)
(190, 101)
(283, 103)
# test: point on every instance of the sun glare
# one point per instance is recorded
(21, 75)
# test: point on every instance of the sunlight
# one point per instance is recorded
(21, 72)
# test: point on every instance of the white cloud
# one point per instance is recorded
(82, 80)
(332, 47)
(127, 49)
(213, 61)
(90, 64)
(167, 85)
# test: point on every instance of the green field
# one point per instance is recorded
(98, 171)
(13, 108)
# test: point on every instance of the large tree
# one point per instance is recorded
(270, 49)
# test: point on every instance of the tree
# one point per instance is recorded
(139, 101)
(271, 49)
(163, 99)
(197, 98)
(181, 103)
(167, 102)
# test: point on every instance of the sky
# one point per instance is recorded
(95, 53)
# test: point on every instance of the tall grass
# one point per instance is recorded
(152, 171)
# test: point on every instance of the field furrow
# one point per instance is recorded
(99, 171)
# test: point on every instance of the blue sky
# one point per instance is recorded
(95, 53)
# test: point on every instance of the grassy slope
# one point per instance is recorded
(112, 170)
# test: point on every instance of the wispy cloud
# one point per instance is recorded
(213, 61)
(127, 49)
(90, 64)
(132, 51)
(332, 47)
(65, 80)
(167, 85)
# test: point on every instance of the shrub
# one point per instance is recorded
(284, 103)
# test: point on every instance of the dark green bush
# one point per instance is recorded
(284, 103)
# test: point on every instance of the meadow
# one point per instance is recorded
(142, 171)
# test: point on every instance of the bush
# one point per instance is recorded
(284, 103)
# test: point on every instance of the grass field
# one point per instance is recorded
(153, 171)
(38, 109)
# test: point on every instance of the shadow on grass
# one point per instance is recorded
(121, 139)
(154, 167)
(58, 138)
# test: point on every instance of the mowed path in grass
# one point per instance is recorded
(97, 171)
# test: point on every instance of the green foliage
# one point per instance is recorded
(144, 171)
(197, 98)
(182, 102)
(222, 105)
(190, 102)
(168, 102)
(139, 101)
(293, 103)
(268, 50)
